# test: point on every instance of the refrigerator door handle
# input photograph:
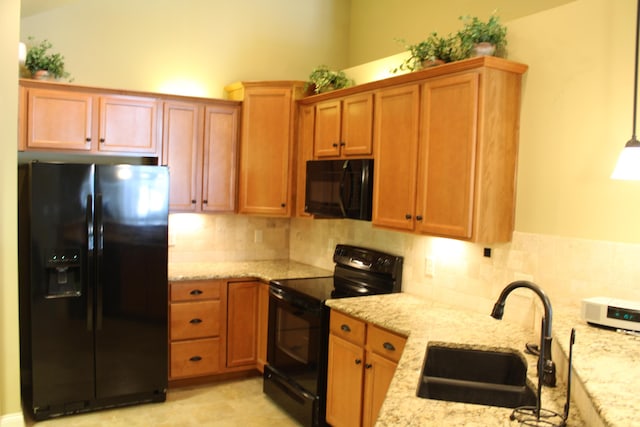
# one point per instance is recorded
(89, 262)
(99, 259)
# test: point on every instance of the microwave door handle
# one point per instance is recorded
(343, 178)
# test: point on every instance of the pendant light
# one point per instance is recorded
(628, 166)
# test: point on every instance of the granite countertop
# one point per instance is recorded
(264, 270)
(423, 321)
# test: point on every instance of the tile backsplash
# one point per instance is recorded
(568, 269)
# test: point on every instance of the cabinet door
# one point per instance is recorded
(306, 123)
(378, 374)
(357, 125)
(396, 148)
(128, 125)
(344, 382)
(219, 175)
(182, 148)
(242, 324)
(448, 155)
(327, 134)
(59, 120)
(265, 162)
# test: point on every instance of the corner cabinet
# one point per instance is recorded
(361, 363)
(66, 118)
(200, 145)
(266, 146)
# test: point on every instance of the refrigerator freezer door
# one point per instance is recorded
(55, 295)
(132, 291)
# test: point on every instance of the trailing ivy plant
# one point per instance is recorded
(322, 79)
(39, 58)
(433, 49)
(476, 31)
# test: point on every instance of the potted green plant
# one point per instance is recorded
(41, 63)
(483, 38)
(434, 50)
(322, 79)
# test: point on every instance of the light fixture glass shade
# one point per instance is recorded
(628, 166)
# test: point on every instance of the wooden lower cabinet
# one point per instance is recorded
(362, 362)
(213, 327)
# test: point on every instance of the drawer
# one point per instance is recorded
(347, 327)
(195, 357)
(195, 290)
(385, 343)
(195, 320)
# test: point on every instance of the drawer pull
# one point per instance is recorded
(196, 292)
(345, 327)
(389, 346)
(195, 321)
(195, 359)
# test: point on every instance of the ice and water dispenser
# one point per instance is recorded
(64, 274)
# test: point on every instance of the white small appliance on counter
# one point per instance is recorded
(612, 313)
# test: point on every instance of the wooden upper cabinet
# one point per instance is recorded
(396, 149)
(61, 117)
(200, 147)
(344, 127)
(219, 176)
(128, 125)
(266, 146)
(58, 120)
(182, 145)
(447, 156)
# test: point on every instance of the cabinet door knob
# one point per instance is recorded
(195, 358)
(193, 201)
(195, 321)
(342, 143)
(419, 217)
(368, 365)
(196, 292)
(358, 361)
(102, 140)
(88, 139)
(205, 201)
(283, 205)
(345, 327)
(407, 216)
(334, 145)
(388, 346)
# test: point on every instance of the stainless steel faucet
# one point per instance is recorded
(548, 374)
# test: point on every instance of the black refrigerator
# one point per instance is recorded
(93, 286)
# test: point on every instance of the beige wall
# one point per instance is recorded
(9, 364)
(193, 47)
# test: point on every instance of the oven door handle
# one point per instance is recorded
(293, 301)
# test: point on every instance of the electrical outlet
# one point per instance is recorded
(429, 266)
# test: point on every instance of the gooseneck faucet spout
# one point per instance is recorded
(548, 376)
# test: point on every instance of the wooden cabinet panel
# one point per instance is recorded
(362, 359)
(128, 125)
(59, 120)
(306, 127)
(396, 148)
(182, 147)
(195, 358)
(195, 320)
(263, 325)
(378, 374)
(327, 138)
(195, 290)
(344, 382)
(448, 155)
(220, 158)
(242, 314)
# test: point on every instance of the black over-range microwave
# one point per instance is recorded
(339, 188)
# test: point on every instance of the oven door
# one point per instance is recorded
(295, 337)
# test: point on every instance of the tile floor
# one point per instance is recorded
(226, 404)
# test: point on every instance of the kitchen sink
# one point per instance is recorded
(485, 377)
